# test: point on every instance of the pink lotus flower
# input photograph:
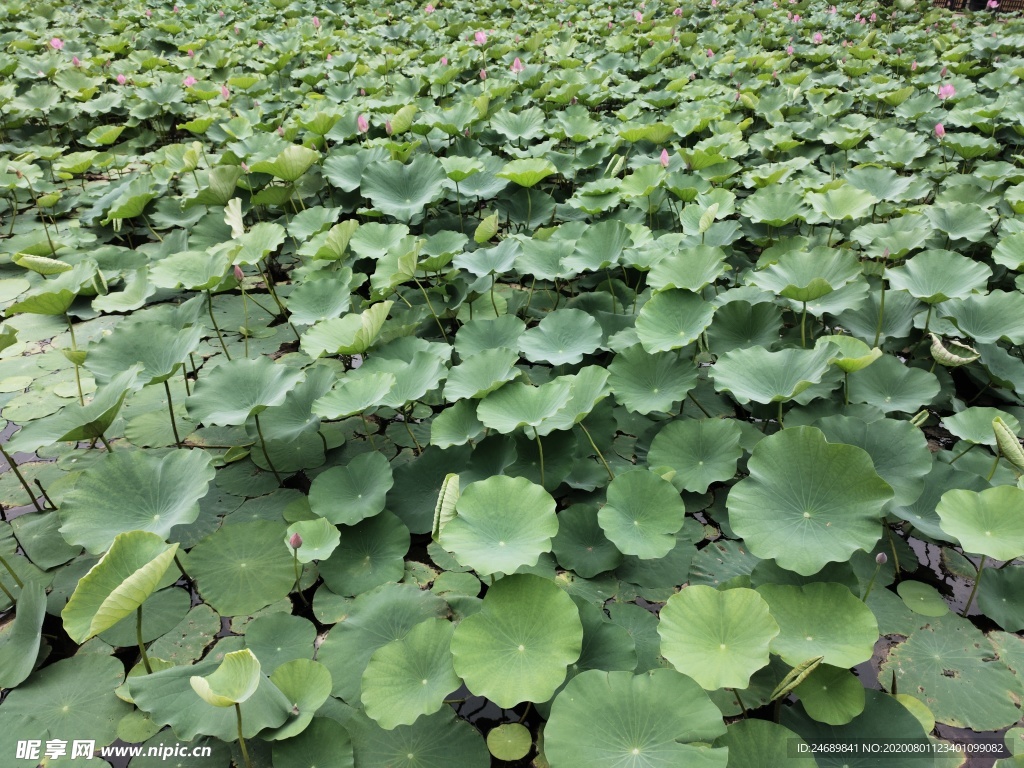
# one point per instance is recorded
(796, 18)
(789, 50)
(56, 43)
(238, 273)
(714, 3)
(429, 8)
(189, 81)
(75, 62)
(174, 9)
(946, 91)
(121, 79)
(444, 61)
(856, 17)
(517, 66)
(245, 168)
(832, 11)
(225, 93)
(610, 25)
(940, 130)
(818, 38)
(480, 37)
(316, 22)
(221, 14)
(149, 14)
(872, 17)
(913, 66)
(677, 12)
(664, 158)
(191, 53)
(710, 53)
(362, 124)
(483, 74)
(639, 17)
(280, 130)
(992, 4)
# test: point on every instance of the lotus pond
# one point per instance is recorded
(543, 384)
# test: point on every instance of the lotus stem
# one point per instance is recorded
(697, 403)
(739, 701)
(995, 464)
(209, 308)
(458, 203)
(106, 444)
(298, 576)
(803, 327)
(170, 410)
(17, 579)
(138, 637)
(540, 451)
(184, 374)
(611, 475)
(17, 472)
(366, 429)
(266, 453)
(871, 583)
(493, 303)
(181, 568)
(892, 546)
(781, 426)
(955, 458)
(245, 315)
(974, 590)
(270, 287)
(881, 314)
(241, 739)
(406, 416)
(74, 348)
(46, 496)
(431, 308)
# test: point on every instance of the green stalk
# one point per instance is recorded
(977, 581)
(209, 308)
(540, 451)
(18, 581)
(597, 450)
(245, 315)
(871, 583)
(106, 444)
(431, 308)
(7, 592)
(739, 701)
(170, 409)
(74, 348)
(881, 314)
(138, 637)
(298, 576)
(266, 453)
(241, 739)
(270, 287)
(995, 465)
(21, 478)
(803, 327)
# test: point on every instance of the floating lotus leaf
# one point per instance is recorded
(440, 740)
(160, 349)
(347, 494)
(831, 695)
(891, 386)
(718, 638)
(999, 599)
(410, 676)
(642, 514)
(922, 598)
(610, 719)
(564, 336)
(481, 374)
(986, 523)
(518, 646)
(240, 388)
(509, 741)
(820, 619)
(580, 545)
(501, 523)
(672, 319)
(700, 452)
(763, 744)
(134, 491)
(20, 639)
(118, 584)
(321, 743)
(371, 553)
(937, 276)
(770, 377)
(646, 383)
(277, 638)
(808, 502)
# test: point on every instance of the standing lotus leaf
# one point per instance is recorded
(807, 502)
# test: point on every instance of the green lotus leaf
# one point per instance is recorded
(243, 567)
(999, 600)
(642, 514)
(659, 719)
(509, 741)
(990, 317)
(371, 553)
(118, 584)
(479, 335)
(501, 524)
(987, 523)
(258, 243)
(79, 422)
(855, 353)
(808, 275)
(580, 545)
(672, 319)
(290, 164)
(562, 337)
(322, 297)
(921, 513)
(756, 374)
(354, 394)
(600, 247)
(974, 424)
(891, 386)
(192, 270)
(404, 190)
(820, 619)
(481, 374)
(233, 682)
(456, 425)
(411, 676)
(518, 646)
(841, 203)
(763, 744)
(323, 742)
(922, 598)
(20, 639)
(898, 450)
(134, 491)
(587, 388)
(440, 740)
(1009, 252)
(718, 638)
(527, 172)
(692, 270)
(701, 452)
(954, 669)
(347, 494)
(319, 539)
(522, 405)
(372, 620)
(237, 389)
(160, 349)
(352, 334)
(774, 205)
(307, 685)
(937, 276)
(740, 324)
(278, 638)
(808, 502)
(488, 261)
(961, 220)
(831, 695)
(168, 697)
(647, 383)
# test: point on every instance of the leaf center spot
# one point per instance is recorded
(809, 637)
(423, 682)
(522, 647)
(636, 750)
(807, 514)
(501, 543)
(722, 647)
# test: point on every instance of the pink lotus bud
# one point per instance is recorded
(121, 79)
(75, 61)
(189, 81)
(638, 17)
(710, 53)
(238, 273)
(789, 50)
(444, 61)
(664, 158)
(362, 91)
(946, 91)
(610, 25)
(238, 30)
(362, 124)
(259, 43)
(833, 10)
(818, 38)
(873, 17)
(295, 541)
(517, 66)
(191, 53)
(856, 17)
(796, 17)
(942, 72)
(221, 14)
(429, 8)
(174, 9)
(881, 558)
(149, 14)
(483, 74)
(316, 22)
(225, 93)
(714, 3)
(245, 167)
(940, 130)
(387, 128)
(56, 43)
(677, 12)
(913, 66)
(480, 37)
(280, 130)
(329, 57)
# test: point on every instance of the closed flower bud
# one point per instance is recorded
(295, 541)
